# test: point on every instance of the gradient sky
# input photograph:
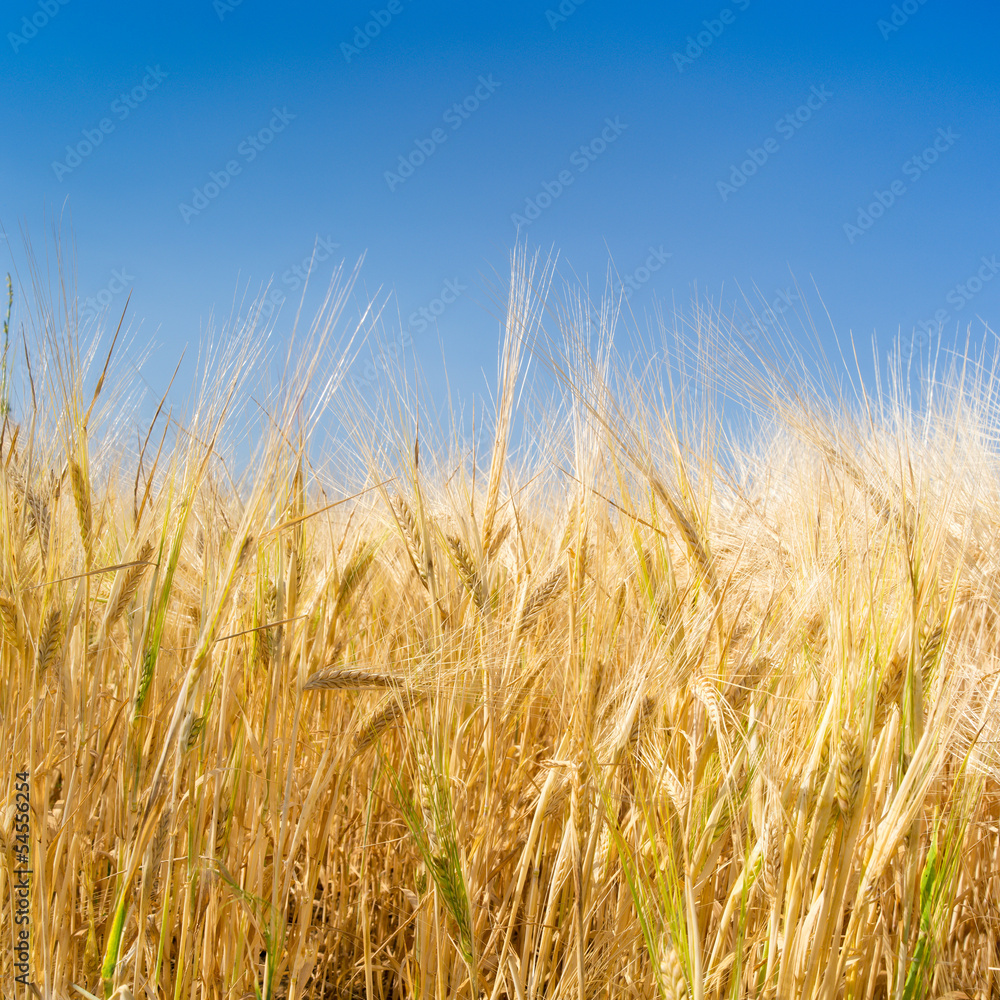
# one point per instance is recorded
(653, 113)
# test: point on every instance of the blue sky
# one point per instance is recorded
(200, 148)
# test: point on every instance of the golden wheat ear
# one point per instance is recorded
(384, 719)
(347, 679)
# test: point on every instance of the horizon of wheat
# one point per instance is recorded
(642, 704)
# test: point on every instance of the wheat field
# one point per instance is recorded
(644, 687)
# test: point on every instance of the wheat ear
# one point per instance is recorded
(347, 679)
(84, 513)
(50, 640)
(544, 593)
(385, 718)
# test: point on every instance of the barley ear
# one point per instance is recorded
(672, 972)
(84, 514)
(413, 538)
(50, 640)
(347, 679)
(145, 681)
(541, 596)
(849, 773)
(772, 849)
(130, 586)
(470, 576)
(692, 539)
(8, 620)
(385, 718)
(154, 854)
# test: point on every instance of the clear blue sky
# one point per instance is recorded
(233, 135)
